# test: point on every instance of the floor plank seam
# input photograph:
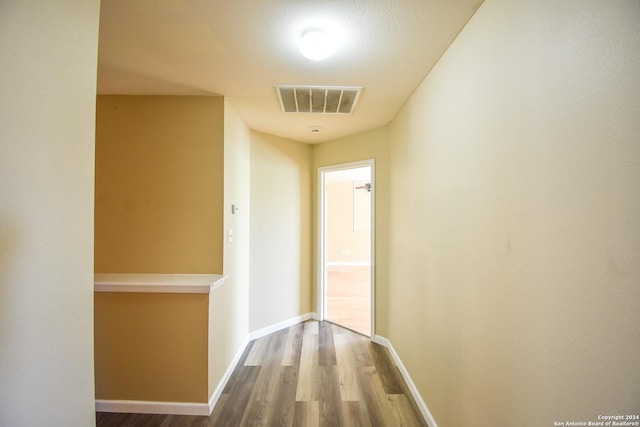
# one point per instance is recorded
(313, 373)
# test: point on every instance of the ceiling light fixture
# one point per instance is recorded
(316, 44)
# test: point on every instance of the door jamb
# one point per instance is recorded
(321, 240)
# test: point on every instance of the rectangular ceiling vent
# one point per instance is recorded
(318, 99)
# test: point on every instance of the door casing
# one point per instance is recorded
(321, 236)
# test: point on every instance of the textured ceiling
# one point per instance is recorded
(241, 48)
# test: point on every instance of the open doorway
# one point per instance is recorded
(346, 245)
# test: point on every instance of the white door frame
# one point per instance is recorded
(322, 256)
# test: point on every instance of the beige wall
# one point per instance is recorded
(515, 209)
(171, 347)
(280, 230)
(48, 52)
(159, 209)
(229, 306)
(368, 145)
(151, 347)
(159, 189)
(344, 242)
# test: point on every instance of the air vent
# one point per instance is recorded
(318, 99)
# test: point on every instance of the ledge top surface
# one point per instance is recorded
(158, 283)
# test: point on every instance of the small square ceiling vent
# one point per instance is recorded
(318, 99)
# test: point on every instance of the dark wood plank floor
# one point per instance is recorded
(311, 374)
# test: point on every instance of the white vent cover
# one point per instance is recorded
(318, 99)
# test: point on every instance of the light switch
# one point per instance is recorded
(230, 235)
(235, 209)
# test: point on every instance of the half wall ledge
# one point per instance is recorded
(158, 283)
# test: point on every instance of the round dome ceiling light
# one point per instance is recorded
(316, 44)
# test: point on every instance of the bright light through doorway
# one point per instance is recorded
(348, 195)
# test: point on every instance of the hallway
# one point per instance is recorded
(311, 374)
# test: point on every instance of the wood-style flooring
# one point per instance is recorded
(311, 374)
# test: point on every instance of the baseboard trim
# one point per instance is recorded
(348, 264)
(144, 407)
(186, 408)
(227, 375)
(378, 339)
(281, 325)
(253, 336)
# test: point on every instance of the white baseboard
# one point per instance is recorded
(281, 325)
(180, 408)
(405, 374)
(253, 336)
(348, 263)
(143, 407)
(225, 378)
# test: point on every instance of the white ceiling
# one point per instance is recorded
(353, 174)
(241, 48)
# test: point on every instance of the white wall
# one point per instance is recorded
(515, 218)
(48, 52)
(233, 301)
(280, 230)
